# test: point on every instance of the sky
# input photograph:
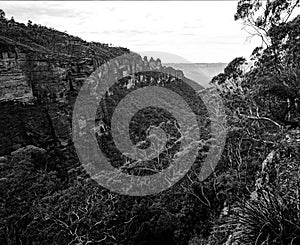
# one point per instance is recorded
(197, 31)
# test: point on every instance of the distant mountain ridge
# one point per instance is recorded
(201, 73)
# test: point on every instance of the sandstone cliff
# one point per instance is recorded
(41, 72)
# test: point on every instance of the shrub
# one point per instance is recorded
(266, 220)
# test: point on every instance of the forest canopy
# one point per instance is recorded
(252, 197)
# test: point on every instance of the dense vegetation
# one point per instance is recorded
(262, 97)
(251, 198)
(48, 40)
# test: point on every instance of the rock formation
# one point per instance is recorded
(41, 72)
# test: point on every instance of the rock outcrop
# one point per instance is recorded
(27, 74)
(28, 152)
(41, 72)
(14, 84)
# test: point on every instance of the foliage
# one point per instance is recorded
(2, 15)
(263, 111)
(24, 181)
(49, 199)
(48, 40)
(268, 220)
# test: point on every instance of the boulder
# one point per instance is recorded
(29, 152)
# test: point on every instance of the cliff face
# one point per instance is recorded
(28, 74)
(43, 63)
(38, 99)
(13, 82)
(31, 73)
(41, 72)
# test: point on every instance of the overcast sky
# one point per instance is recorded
(202, 31)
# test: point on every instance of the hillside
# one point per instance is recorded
(42, 62)
(46, 68)
(36, 60)
(41, 73)
(240, 185)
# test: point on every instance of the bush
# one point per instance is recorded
(267, 220)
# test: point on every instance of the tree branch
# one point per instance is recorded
(262, 119)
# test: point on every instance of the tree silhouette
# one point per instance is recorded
(2, 15)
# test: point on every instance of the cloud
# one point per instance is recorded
(111, 9)
(32, 9)
(199, 31)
